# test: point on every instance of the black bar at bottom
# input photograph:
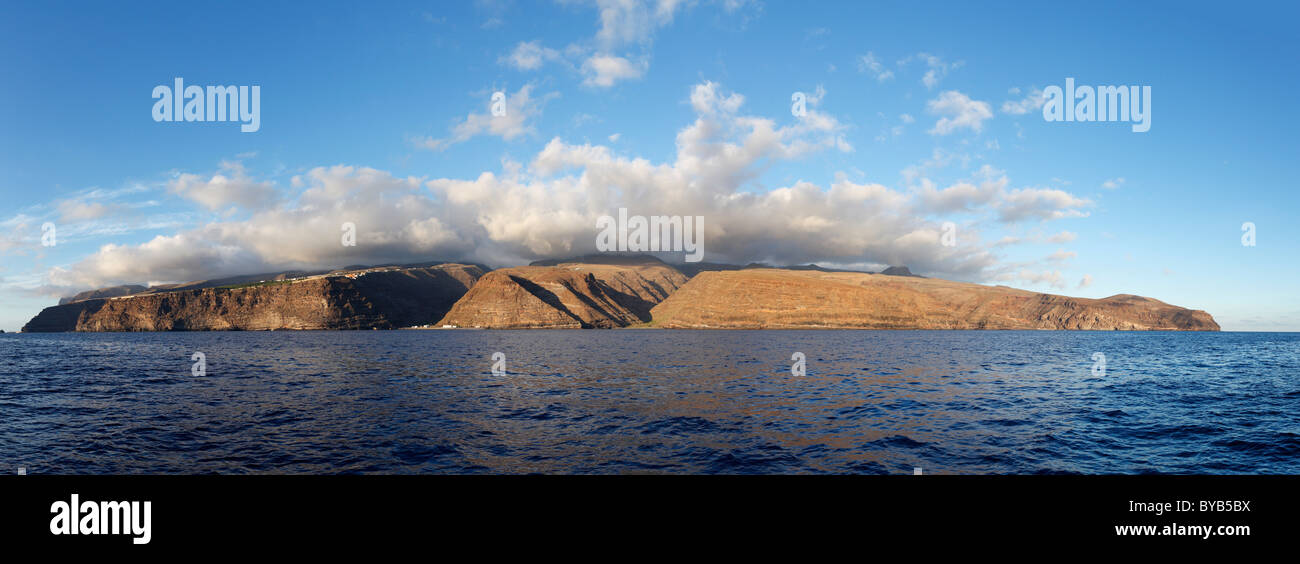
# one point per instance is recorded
(237, 513)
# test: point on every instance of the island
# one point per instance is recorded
(600, 291)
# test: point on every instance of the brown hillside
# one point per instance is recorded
(378, 298)
(786, 299)
(566, 295)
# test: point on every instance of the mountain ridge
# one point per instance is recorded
(571, 295)
(600, 291)
(374, 298)
(780, 299)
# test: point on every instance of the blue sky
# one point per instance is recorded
(379, 114)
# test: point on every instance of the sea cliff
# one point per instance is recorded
(601, 292)
(787, 299)
(380, 298)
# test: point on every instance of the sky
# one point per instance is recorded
(916, 123)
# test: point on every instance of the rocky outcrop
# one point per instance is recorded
(787, 299)
(898, 271)
(378, 298)
(617, 292)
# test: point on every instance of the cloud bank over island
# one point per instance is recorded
(547, 208)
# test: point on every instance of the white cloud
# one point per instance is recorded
(959, 111)
(733, 5)
(632, 21)
(493, 12)
(606, 70)
(1033, 101)
(1063, 237)
(521, 109)
(1037, 237)
(815, 99)
(707, 99)
(531, 55)
(230, 187)
(94, 203)
(1113, 183)
(987, 191)
(1052, 278)
(937, 68)
(620, 48)
(869, 63)
(1062, 255)
(960, 197)
(395, 222)
(77, 210)
(1040, 203)
(547, 207)
(1086, 281)
(939, 158)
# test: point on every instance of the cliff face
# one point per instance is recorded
(376, 298)
(566, 295)
(602, 292)
(785, 299)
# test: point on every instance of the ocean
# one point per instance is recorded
(650, 401)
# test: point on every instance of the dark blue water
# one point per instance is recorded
(627, 401)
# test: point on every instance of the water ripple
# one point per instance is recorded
(651, 401)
